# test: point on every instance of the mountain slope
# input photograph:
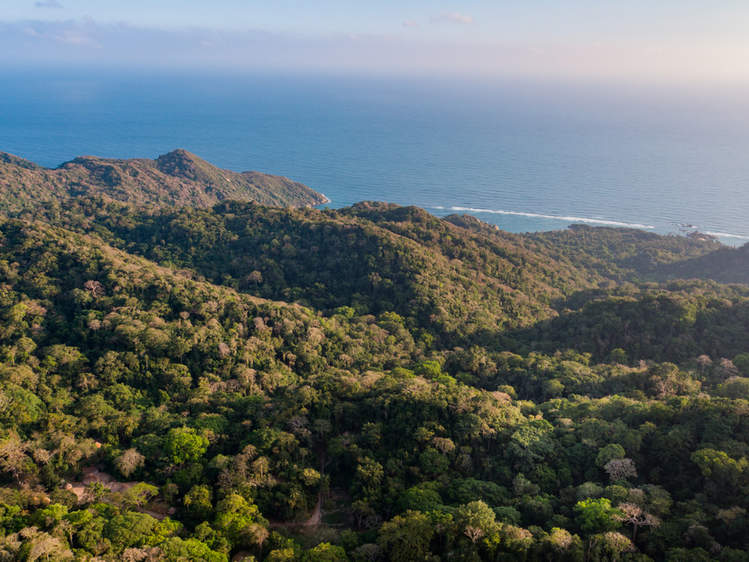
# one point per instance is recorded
(442, 278)
(634, 255)
(455, 281)
(178, 178)
(223, 421)
(623, 253)
(107, 298)
(674, 321)
(725, 265)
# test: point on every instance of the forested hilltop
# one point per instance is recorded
(243, 382)
(174, 179)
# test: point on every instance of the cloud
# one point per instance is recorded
(453, 17)
(76, 38)
(91, 42)
(48, 4)
(45, 34)
(410, 23)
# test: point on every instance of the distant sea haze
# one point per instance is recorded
(523, 156)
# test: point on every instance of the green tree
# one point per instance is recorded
(184, 444)
(198, 502)
(326, 552)
(718, 467)
(240, 521)
(406, 537)
(186, 550)
(596, 515)
(475, 519)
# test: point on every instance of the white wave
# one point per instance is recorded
(549, 217)
(727, 235)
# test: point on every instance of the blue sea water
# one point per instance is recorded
(525, 156)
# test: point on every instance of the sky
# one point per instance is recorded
(649, 40)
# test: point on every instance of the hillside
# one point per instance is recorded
(635, 255)
(178, 178)
(622, 253)
(455, 282)
(725, 265)
(443, 279)
(241, 381)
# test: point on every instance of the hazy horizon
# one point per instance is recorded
(674, 41)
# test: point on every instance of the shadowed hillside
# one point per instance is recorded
(725, 265)
(623, 253)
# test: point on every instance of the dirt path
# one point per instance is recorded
(311, 522)
(316, 517)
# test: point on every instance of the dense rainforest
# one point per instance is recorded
(246, 382)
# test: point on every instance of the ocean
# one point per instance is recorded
(525, 156)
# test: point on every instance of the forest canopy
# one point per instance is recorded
(243, 382)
